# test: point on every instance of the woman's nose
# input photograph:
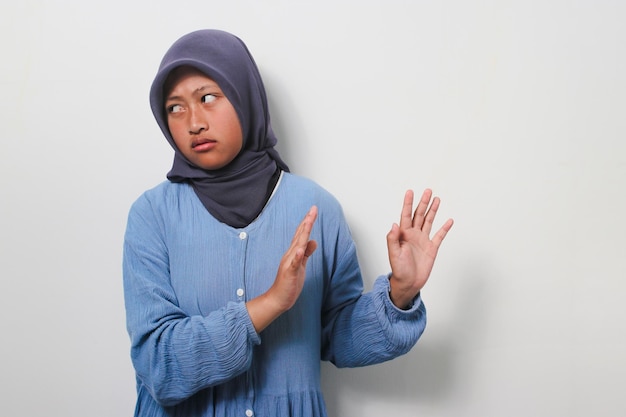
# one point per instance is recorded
(198, 122)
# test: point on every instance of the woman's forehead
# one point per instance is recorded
(180, 73)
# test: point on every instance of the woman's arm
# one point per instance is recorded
(176, 355)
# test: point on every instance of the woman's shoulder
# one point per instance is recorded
(163, 194)
(305, 184)
(308, 192)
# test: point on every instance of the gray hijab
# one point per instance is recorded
(236, 193)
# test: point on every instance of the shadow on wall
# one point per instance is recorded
(429, 373)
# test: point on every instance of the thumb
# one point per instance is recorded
(393, 240)
(310, 248)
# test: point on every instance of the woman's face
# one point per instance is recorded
(202, 121)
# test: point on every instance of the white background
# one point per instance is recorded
(512, 111)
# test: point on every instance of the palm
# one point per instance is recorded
(412, 252)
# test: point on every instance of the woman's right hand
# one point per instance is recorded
(289, 281)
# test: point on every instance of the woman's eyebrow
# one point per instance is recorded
(172, 98)
(198, 90)
(204, 87)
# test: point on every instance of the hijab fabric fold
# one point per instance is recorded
(236, 193)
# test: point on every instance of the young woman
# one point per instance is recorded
(239, 277)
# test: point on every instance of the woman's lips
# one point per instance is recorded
(203, 145)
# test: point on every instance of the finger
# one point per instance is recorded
(393, 241)
(430, 216)
(441, 233)
(309, 219)
(310, 248)
(303, 232)
(422, 206)
(302, 255)
(296, 259)
(407, 208)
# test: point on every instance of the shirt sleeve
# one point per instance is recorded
(175, 355)
(363, 329)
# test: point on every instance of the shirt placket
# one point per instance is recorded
(241, 294)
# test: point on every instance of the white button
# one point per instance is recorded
(243, 235)
(249, 413)
(239, 292)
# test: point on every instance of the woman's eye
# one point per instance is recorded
(208, 98)
(175, 108)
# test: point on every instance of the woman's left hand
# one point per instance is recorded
(412, 252)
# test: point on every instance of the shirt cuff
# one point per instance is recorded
(253, 336)
(382, 284)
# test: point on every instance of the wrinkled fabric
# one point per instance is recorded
(187, 277)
